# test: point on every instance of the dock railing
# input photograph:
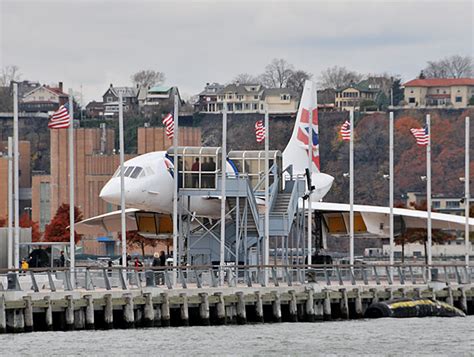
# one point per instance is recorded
(198, 277)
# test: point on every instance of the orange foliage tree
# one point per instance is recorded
(136, 240)
(420, 235)
(27, 222)
(57, 230)
(3, 222)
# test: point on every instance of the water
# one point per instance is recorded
(383, 337)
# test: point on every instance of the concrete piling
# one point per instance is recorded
(128, 314)
(389, 291)
(108, 312)
(15, 320)
(69, 313)
(258, 307)
(165, 310)
(148, 311)
(276, 307)
(79, 319)
(375, 295)
(241, 311)
(28, 314)
(184, 310)
(293, 306)
(48, 314)
(449, 298)
(230, 313)
(89, 312)
(309, 305)
(204, 308)
(327, 305)
(463, 300)
(3, 315)
(220, 309)
(359, 311)
(318, 311)
(344, 304)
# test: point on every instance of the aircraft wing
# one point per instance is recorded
(148, 224)
(375, 219)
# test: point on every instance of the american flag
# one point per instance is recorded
(346, 131)
(421, 135)
(168, 122)
(303, 134)
(259, 131)
(60, 118)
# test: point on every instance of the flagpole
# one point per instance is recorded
(391, 184)
(16, 190)
(428, 194)
(467, 202)
(175, 183)
(351, 189)
(266, 259)
(223, 192)
(72, 251)
(123, 222)
(10, 203)
(310, 167)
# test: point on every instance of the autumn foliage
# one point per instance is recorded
(27, 222)
(57, 230)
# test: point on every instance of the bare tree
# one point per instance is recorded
(450, 67)
(245, 78)
(277, 73)
(148, 78)
(9, 73)
(335, 77)
(297, 79)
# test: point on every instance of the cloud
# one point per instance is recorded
(95, 43)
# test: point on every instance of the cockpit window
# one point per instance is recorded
(136, 172)
(149, 171)
(128, 171)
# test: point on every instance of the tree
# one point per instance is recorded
(397, 91)
(277, 73)
(450, 67)
(136, 240)
(336, 77)
(9, 73)
(3, 222)
(420, 235)
(297, 79)
(57, 230)
(148, 78)
(27, 222)
(245, 78)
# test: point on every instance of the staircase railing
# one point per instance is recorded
(253, 207)
(293, 202)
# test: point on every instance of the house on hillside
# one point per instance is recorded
(43, 99)
(95, 109)
(351, 96)
(207, 99)
(247, 98)
(157, 99)
(111, 102)
(439, 92)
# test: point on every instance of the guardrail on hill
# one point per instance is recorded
(197, 277)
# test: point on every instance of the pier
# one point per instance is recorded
(104, 298)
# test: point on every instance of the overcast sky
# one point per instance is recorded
(95, 43)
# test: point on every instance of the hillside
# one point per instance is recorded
(371, 147)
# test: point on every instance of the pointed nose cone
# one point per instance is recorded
(322, 183)
(110, 193)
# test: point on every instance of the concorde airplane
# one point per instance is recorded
(149, 189)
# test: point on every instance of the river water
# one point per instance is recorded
(383, 337)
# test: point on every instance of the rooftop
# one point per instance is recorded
(440, 82)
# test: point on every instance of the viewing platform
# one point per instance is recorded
(201, 295)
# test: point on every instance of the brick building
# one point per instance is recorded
(24, 177)
(95, 163)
